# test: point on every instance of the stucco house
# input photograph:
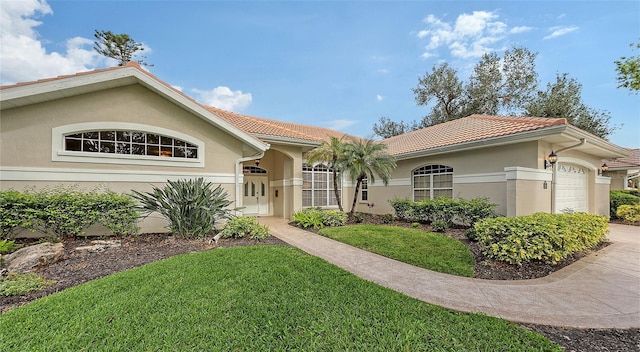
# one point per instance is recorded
(624, 172)
(125, 129)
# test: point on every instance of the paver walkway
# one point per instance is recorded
(599, 291)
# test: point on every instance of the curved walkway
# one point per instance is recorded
(599, 291)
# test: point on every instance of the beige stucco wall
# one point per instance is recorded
(527, 197)
(26, 131)
(482, 171)
(26, 142)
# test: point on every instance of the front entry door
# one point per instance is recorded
(256, 195)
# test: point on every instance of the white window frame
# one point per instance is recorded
(59, 154)
(329, 190)
(364, 190)
(431, 189)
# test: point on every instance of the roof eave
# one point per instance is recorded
(488, 142)
(287, 140)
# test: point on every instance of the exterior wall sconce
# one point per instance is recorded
(603, 169)
(551, 160)
(257, 162)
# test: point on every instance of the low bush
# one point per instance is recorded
(387, 218)
(358, 217)
(240, 227)
(334, 218)
(19, 284)
(544, 237)
(7, 246)
(309, 218)
(630, 213)
(317, 218)
(191, 206)
(618, 198)
(443, 209)
(67, 211)
(440, 226)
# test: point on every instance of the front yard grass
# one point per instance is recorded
(423, 249)
(255, 298)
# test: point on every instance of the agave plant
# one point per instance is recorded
(191, 207)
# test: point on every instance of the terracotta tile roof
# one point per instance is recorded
(631, 161)
(275, 128)
(467, 129)
(248, 124)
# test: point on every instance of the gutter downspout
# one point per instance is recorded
(237, 175)
(553, 179)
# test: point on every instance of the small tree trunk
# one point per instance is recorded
(355, 197)
(335, 189)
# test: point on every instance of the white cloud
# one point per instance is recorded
(22, 55)
(224, 98)
(383, 71)
(520, 29)
(340, 124)
(379, 97)
(470, 35)
(560, 31)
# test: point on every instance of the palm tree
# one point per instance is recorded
(364, 158)
(330, 154)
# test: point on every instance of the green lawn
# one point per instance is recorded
(423, 249)
(258, 298)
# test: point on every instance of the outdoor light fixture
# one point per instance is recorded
(551, 159)
(257, 162)
(603, 169)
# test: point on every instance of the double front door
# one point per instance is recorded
(256, 195)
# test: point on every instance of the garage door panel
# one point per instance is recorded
(571, 188)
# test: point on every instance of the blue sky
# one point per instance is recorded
(335, 64)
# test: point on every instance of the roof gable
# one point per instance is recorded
(65, 86)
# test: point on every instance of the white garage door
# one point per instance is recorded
(571, 188)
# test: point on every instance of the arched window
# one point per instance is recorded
(129, 143)
(317, 186)
(125, 143)
(432, 181)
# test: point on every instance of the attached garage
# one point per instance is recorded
(571, 188)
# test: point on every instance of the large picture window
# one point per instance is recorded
(432, 181)
(317, 186)
(129, 143)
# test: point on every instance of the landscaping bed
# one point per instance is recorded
(79, 267)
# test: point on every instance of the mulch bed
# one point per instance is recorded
(78, 267)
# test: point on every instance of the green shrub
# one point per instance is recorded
(618, 198)
(191, 206)
(67, 211)
(415, 225)
(387, 218)
(19, 284)
(452, 211)
(240, 227)
(7, 246)
(309, 218)
(334, 218)
(544, 237)
(358, 217)
(440, 226)
(401, 206)
(630, 213)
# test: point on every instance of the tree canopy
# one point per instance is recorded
(118, 46)
(498, 85)
(628, 69)
(330, 154)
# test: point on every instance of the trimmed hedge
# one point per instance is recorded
(630, 213)
(540, 236)
(618, 198)
(444, 211)
(67, 212)
(317, 218)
